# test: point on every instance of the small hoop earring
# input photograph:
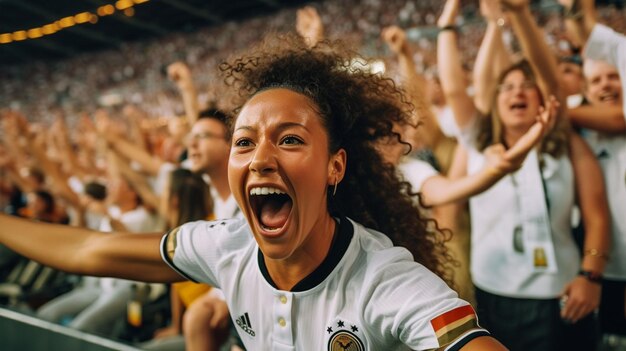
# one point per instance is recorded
(335, 188)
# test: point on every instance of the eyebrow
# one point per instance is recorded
(282, 126)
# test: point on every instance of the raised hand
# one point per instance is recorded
(395, 38)
(491, 10)
(179, 73)
(496, 161)
(449, 13)
(309, 25)
(545, 122)
(502, 161)
(567, 4)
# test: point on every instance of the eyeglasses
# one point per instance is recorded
(507, 88)
(204, 135)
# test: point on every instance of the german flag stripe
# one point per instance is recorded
(168, 248)
(453, 334)
(170, 243)
(452, 316)
(452, 326)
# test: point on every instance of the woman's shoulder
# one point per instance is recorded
(228, 228)
(221, 234)
(380, 253)
(195, 249)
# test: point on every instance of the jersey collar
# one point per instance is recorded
(338, 247)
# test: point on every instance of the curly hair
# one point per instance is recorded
(490, 128)
(358, 109)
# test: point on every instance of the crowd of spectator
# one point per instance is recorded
(92, 141)
(133, 73)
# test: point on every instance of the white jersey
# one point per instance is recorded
(367, 293)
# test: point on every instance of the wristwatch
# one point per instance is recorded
(591, 276)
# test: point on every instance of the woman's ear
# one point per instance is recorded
(337, 167)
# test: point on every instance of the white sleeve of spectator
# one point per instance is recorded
(416, 172)
(607, 45)
(468, 135)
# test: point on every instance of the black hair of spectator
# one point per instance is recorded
(36, 173)
(575, 59)
(219, 116)
(47, 199)
(193, 195)
(96, 191)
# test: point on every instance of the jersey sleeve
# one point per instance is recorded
(196, 249)
(416, 307)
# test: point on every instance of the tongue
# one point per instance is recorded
(274, 214)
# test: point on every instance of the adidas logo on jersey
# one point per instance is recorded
(244, 323)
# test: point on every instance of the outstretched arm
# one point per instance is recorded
(450, 69)
(58, 179)
(135, 117)
(439, 190)
(429, 133)
(604, 44)
(608, 119)
(141, 186)
(492, 57)
(580, 18)
(86, 252)
(486, 343)
(533, 45)
(179, 73)
(125, 148)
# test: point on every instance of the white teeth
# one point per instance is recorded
(270, 229)
(265, 191)
(608, 97)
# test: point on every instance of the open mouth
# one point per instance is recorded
(519, 106)
(271, 206)
(193, 155)
(609, 97)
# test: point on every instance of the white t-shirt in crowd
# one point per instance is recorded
(416, 172)
(446, 120)
(496, 265)
(610, 149)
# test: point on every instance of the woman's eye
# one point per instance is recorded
(292, 140)
(243, 143)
